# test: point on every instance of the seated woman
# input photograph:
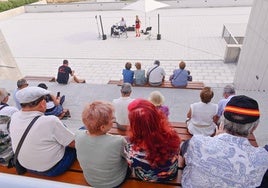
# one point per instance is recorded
(139, 75)
(153, 146)
(158, 100)
(203, 114)
(179, 77)
(54, 104)
(128, 74)
(101, 155)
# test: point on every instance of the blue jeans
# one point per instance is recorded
(62, 166)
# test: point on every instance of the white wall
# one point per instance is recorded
(252, 68)
(8, 66)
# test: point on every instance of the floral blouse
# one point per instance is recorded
(144, 171)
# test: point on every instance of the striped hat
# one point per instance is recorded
(242, 109)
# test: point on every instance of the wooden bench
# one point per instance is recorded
(166, 84)
(41, 78)
(75, 174)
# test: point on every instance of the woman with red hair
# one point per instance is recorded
(153, 146)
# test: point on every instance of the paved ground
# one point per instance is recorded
(40, 41)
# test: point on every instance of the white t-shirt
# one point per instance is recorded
(156, 75)
(45, 143)
(121, 111)
(8, 110)
(201, 121)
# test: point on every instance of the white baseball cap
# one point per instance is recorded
(30, 94)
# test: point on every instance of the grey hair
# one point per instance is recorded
(229, 89)
(238, 129)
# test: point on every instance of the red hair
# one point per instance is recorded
(150, 132)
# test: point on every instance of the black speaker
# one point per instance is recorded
(158, 37)
(104, 37)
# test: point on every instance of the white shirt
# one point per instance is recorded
(45, 143)
(156, 75)
(8, 110)
(201, 121)
(121, 111)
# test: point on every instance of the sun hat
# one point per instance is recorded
(156, 98)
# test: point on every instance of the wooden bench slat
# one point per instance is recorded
(166, 84)
(67, 177)
(131, 183)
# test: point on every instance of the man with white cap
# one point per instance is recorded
(227, 159)
(48, 148)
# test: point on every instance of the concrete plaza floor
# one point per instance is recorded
(40, 41)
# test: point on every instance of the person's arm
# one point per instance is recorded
(72, 144)
(216, 119)
(56, 100)
(189, 114)
(220, 129)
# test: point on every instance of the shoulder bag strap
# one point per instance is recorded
(152, 70)
(4, 105)
(23, 137)
(177, 75)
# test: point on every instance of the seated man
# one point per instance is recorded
(227, 159)
(48, 148)
(6, 152)
(121, 105)
(122, 25)
(63, 74)
(156, 74)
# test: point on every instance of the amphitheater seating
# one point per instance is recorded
(75, 175)
(166, 84)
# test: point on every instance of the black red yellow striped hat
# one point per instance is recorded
(242, 109)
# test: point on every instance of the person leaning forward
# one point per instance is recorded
(48, 148)
(63, 74)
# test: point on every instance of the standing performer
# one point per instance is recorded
(137, 26)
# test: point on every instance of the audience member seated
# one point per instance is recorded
(54, 104)
(122, 25)
(156, 74)
(101, 155)
(228, 93)
(21, 83)
(6, 112)
(48, 148)
(128, 74)
(158, 99)
(180, 76)
(63, 74)
(227, 159)
(120, 105)
(202, 114)
(139, 75)
(154, 146)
